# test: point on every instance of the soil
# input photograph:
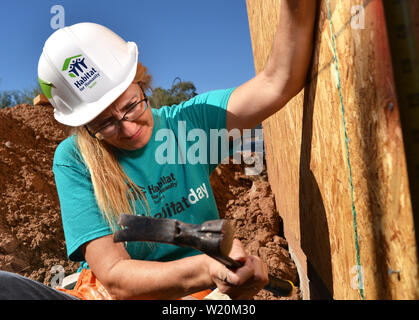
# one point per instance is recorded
(31, 236)
(248, 203)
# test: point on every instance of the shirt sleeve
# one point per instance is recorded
(207, 111)
(82, 220)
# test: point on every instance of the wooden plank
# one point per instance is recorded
(405, 58)
(40, 100)
(336, 160)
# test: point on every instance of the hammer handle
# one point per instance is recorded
(279, 287)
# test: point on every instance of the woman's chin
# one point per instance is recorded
(137, 143)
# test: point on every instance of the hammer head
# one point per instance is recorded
(213, 238)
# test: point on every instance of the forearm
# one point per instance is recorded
(285, 71)
(135, 279)
(292, 48)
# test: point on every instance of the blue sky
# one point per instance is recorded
(206, 42)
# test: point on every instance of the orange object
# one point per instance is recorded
(201, 294)
(88, 287)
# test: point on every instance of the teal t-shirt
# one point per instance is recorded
(172, 170)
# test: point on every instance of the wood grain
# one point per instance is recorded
(308, 158)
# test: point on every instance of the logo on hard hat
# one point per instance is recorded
(77, 67)
(74, 65)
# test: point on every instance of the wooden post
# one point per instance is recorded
(336, 158)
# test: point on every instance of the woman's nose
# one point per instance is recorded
(128, 129)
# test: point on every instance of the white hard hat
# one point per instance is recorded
(83, 69)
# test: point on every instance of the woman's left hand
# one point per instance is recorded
(244, 282)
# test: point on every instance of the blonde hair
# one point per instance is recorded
(115, 192)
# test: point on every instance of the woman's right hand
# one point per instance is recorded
(244, 282)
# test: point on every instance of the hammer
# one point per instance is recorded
(214, 238)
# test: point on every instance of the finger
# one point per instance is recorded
(237, 252)
(243, 274)
(242, 283)
(260, 277)
(225, 275)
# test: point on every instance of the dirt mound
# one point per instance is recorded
(31, 235)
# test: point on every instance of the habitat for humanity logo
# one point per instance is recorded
(78, 68)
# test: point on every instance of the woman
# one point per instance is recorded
(129, 158)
